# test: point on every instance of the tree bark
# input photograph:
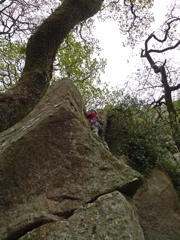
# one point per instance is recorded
(42, 47)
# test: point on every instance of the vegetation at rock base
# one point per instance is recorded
(173, 171)
(135, 131)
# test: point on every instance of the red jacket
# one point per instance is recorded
(92, 117)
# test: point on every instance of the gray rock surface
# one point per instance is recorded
(158, 208)
(111, 216)
(51, 165)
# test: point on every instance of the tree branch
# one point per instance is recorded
(173, 88)
(166, 31)
(165, 49)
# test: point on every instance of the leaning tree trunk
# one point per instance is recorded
(42, 47)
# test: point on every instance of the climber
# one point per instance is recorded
(96, 125)
(94, 122)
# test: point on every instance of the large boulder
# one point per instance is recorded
(158, 208)
(111, 216)
(51, 165)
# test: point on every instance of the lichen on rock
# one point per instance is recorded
(51, 165)
(111, 216)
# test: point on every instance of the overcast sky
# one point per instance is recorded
(120, 62)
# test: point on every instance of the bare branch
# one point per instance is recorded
(147, 52)
(165, 49)
(166, 31)
(13, 18)
(173, 88)
(80, 31)
(151, 87)
(132, 5)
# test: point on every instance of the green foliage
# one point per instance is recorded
(132, 131)
(80, 62)
(145, 148)
(12, 55)
(74, 60)
(137, 131)
(177, 107)
(172, 168)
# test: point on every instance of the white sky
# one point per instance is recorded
(120, 62)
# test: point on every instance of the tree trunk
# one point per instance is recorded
(42, 47)
(173, 118)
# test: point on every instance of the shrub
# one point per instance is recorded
(133, 132)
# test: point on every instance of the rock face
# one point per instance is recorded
(54, 172)
(158, 208)
(111, 216)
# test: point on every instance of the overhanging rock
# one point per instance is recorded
(51, 165)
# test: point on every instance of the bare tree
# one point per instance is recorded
(162, 70)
